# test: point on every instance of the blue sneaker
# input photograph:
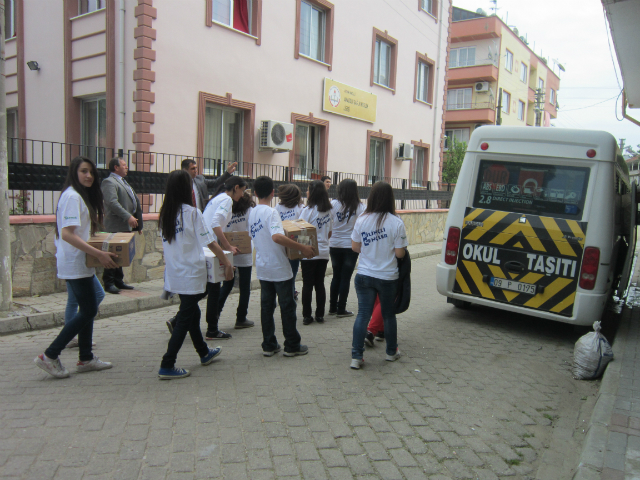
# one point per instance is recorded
(209, 357)
(171, 373)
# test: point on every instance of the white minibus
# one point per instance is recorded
(542, 222)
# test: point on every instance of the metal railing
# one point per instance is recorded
(37, 170)
(471, 105)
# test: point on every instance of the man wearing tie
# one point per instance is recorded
(201, 185)
(122, 213)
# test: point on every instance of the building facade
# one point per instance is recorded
(490, 66)
(198, 77)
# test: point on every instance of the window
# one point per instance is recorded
(462, 57)
(508, 63)
(541, 84)
(223, 127)
(429, 6)
(306, 151)
(418, 168)
(377, 149)
(9, 19)
(459, 99)
(520, 110)
(94, 130)
(88, 6)
(12, 135)
(506, 102)
(552, 97)
(384, 61)
(423, 82)
(458, 134)
(312, 27)
(233, 13)
(523, 73)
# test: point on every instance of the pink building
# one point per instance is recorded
(349, 81)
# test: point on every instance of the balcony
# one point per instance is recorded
(476, 112)
(477, 73)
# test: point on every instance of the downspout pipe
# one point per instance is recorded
(624, 109)
(120, 90)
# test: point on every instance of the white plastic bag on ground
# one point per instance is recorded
(591, 355)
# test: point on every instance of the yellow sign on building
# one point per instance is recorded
(350, 102)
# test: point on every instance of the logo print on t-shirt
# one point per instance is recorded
(255, 228)
(374, 236)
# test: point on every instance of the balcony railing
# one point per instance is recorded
(471, 105)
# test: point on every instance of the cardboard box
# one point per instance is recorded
(215, 269)
(122, 244)
(302, 232)
(242, 240)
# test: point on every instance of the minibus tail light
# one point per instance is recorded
(591, 153)
(589, 269)
(453, 242)
(484, 145)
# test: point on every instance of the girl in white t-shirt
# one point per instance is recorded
(79, 214)
(379, 237)
(345, 210)
(243, 262)
(184, 234)
(289, 208)
(317, 213)
(217, 215)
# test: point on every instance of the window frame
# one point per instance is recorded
(434, 8)
(541, 84)
(10, 6)
(454, 130)
(13, 124)
(426, 148)
(507, 63)
(100, 157)
(424, 59)
(102, 6)
(457, 53)
(328, 9)
(464, 105)
(388, 154)
(393, 60)
(255, 21)
(224, 108)
(552, 96)
(508, 95)
(323, 126)
(524, 68)
(524, 108)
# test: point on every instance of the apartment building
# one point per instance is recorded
(491, 66)
(347, 81)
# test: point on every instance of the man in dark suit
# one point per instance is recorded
(122, 213)
(201, 185)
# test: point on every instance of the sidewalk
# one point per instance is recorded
(611, 450)
(48, 310)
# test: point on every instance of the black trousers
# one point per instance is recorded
(111, 276)
(313, 272)
(187, 321)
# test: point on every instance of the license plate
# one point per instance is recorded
(520, 287)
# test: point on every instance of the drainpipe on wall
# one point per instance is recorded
(5, 235)
(436, 140)
(120, 91)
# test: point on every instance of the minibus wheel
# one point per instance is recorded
(459, 303)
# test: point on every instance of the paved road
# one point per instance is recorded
(478, 394)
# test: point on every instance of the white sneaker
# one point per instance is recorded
(94, 364)
(51, 366)
(357, 363)
(394, 357)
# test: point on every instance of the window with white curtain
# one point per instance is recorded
(457, 134)
(458, 99)
(508, 62)
(520, 110)
(506, 102)
(523, 72)
(422, 90)
(222, 139)
(306, 150)
(312, 28)
(233, 13)
(427, 6)
(417, 172)
(377, 148)
(462, 57)
(552, 97)
(94, 130)
(382, 63)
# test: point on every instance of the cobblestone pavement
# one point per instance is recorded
(477, 394)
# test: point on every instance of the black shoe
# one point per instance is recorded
(307, 320)
(219, 335)
(380, 336)
(344, 313)
(243, 324)
(302, 351)
(123, 286)
(332, 312)
(111, 289)
(368, 339)
(171, 324)
(319, 319)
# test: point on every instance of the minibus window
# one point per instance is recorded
(548, 190)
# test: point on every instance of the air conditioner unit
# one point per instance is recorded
(482, 86)
(276, 136)
(404, 151)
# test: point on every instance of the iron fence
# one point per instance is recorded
(37, 170)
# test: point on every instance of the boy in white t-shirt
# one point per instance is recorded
(274, 272)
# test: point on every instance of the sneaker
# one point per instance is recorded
(307, 320)
(209, 357)
(379, 336)
(357, 363)
(394, 357)
(244, 324)
(74, 343)
(93, 365)
(302, 351)
(170, 325)
(51, 366)
(319, 319)
(332, 312)
(368, 339)
(171, 373)
(272, 352)
(344, 313)
(217, 335)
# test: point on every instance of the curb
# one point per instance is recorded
(41, 321)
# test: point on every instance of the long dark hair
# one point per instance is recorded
(229, 184)
(178, 192)
(318, 197)
(91, 196)
(381, 200)
(348, 197)
(244, 204)
(289, 195)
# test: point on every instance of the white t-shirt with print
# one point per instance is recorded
(377, 255)
(240, 223)
(323, 223)
(272, 263)
(343, 224)
(72, 212)
(218, 212)
(287, 213)
(185, 269)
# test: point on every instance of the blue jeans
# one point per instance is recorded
(187, 321)
(81, 324)
(72, 303)
(268, 293)
(244, 277)
(295, 264)
(343, 261)
(367, 288)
